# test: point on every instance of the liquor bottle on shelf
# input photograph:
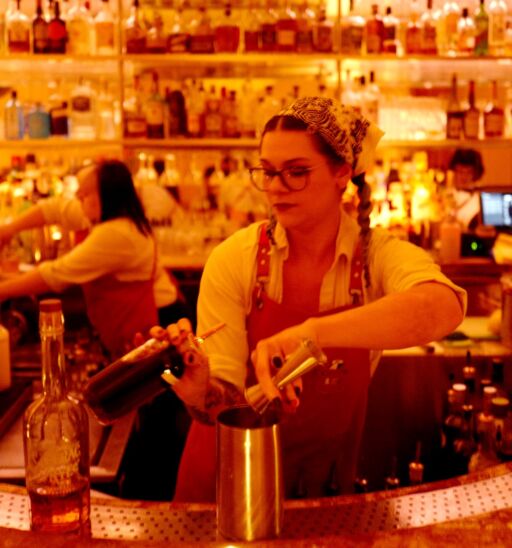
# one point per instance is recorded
(135, 125)
(134, 31)
(428, 31)
(389, 32)
(454, 113)
(156, 38)
(498, 12)
(14, 121)
(195, 109)
(202, 38)
(17, 28)
(371, 99)
(352, 29)
(306, 19)
(178, 39)
(268, 28)
(323, 32)
(106, 118)
(82, 118)
(212, 116)
(227, 32)
(177, 112)
(413, 31)
(451, 15)
(471, 115)
(392, 481)
(374, 31)
(79, 26)
(38, 122)
(59, 119)
(171, 177)
(485, 455)
(466, 32)
(57, 32)
(494, 115)
(56, 440)
(452, 431)
(470, 380)
(155, 112)
(286, 28)
(251, 27)
(105, 30)
(482, 30)
(39, 31)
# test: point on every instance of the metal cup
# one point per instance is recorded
(249, 475)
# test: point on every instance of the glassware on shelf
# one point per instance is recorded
(82, 118)
(57, 32)
(38, 122)
(179, 36)
(17, 29)
(454, 113)
(202, 39)
(428, 34)
(494, 115)
(352, 29)
(374, 31)
(498, 12)
(14, 123)
(482, 30)
(39, 31)
(56, 440)
(323, 31)
(466, 32)
(134, 30)
(79, 26)
(286, 28)
(156, 38)
(227, 32)
(306, 20)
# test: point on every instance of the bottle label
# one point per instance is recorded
(202, 43)
(105, 36)
(286, 39)
(155, 113)
(494, 124)
(178, 43)
(454, 125)
(268, 37)
(81, 103)
(497, 25)
(323, 40)
(471, 124)
(134, 125)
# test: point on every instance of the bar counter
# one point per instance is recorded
(474, 509)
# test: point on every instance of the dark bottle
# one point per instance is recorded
(177, 112)
(59, 119)
(416, 467)
(132, 380)
(332, 485)
(39, 31)
(57, 33)
(470, 380)
(392, 481)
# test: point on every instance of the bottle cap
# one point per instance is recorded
(50, 305)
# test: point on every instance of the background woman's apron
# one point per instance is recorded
(118, 309)
(321, 440)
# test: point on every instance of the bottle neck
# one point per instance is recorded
(52, 355)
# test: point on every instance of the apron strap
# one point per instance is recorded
(262, 264)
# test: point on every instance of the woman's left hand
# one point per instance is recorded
(271, 352)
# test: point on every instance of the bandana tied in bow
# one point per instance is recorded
(351, 135)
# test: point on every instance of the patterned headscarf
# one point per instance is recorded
(351, 136)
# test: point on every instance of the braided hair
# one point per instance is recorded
(365, 205)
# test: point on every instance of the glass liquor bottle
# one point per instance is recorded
(13, 118)
(252, 19)
(389, 32)
(177, 112)
(57, 32)
(413, 31)
(466, 32)
(39, 31)
(498, 12)
(451, 15)
(155, 112)
(56, 440)
(268, 28)
(286, 28)
(106, 113)
(305, 24)
(79, 26)
(38, 122)
(471, 115)
(374, 31)
(454, 113)
(482, 30)
(17, 27)
(323, 31)
(352, 32)
(135, 124)
(82, 118)
(494, 115)
(201, 33)
(428, 31)
(104, 30)
(227, 32)
(134, 31)
(178, 39)
(156, 38)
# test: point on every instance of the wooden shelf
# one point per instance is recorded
(57, 143)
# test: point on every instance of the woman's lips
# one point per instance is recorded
(283, 207)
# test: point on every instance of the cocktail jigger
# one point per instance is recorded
(306, 357)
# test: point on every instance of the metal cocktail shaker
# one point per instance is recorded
(305, 358)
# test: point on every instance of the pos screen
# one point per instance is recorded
(496, 208)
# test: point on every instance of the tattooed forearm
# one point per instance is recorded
(220, 394)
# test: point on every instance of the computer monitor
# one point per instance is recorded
(496, 209)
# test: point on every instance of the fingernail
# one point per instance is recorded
(277, 362)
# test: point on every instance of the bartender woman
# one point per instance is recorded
(313, 272)
(126, 291)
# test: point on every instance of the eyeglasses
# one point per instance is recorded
(293, 178)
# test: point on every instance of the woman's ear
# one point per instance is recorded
(342, 175)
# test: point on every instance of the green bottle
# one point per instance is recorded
(482, 30)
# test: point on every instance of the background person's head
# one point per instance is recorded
(107, 192)
(339, 135)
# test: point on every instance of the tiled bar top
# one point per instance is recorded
(473, 509)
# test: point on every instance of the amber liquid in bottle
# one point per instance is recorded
(56, 440)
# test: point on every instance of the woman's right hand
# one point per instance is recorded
(192, 385)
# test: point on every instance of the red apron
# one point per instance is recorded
(118, 310)
(320, 442)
